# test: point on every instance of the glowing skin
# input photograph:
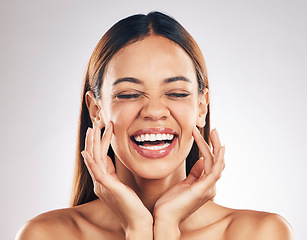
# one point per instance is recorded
(151, 101)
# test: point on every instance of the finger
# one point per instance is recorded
(207, 182)
(113, 186)
(110, 169)
(204, 149)
(98, 156)
(83, 153)
(96, 172)
(217, 168)
(105, 142)
(196, 172)
(220, 163)
(215, 140)
(96, 142)
(88, 141)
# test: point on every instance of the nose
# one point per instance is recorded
(154, 110)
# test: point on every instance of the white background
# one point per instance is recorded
(256, 56)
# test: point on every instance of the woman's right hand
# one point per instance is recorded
(120, 198)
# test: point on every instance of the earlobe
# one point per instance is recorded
(94, 109)
(202, 108)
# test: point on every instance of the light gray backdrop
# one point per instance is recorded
(256, 56)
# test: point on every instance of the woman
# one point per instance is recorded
(146, 91)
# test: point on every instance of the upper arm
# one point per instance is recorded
(273, 227)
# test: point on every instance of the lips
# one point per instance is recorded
(154, 142)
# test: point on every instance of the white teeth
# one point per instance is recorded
(170, 136)
(153, 137)
(155, 147)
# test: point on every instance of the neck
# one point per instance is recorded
(149, 190)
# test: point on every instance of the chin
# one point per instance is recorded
(154, 175)
(156, 170)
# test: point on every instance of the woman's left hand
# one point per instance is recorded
(179, 202)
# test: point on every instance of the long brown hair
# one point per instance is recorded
(123, 33)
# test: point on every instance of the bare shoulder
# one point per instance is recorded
(254, 225)
(80, 222)
(51, 225)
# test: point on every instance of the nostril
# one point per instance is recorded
(154, 118)
(154, 110)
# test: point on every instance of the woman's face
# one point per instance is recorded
(150, 93)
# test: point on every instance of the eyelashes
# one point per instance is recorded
(127, 96)
(178, 95)
(134, 96)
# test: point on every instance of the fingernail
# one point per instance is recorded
(83, 154)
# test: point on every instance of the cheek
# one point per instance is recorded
(185, 114)
(186, 119)
(122, 116)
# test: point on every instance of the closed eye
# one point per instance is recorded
(178, 95)
(128, 96)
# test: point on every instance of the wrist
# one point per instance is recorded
(139, 235)
(166, 230)
(139, 231)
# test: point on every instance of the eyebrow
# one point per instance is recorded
(179, 78)
(127, 79)
(138, 81)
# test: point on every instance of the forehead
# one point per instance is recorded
(153, 58)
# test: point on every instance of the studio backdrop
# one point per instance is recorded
(256, 57)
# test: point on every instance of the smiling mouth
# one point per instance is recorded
(154, 142)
